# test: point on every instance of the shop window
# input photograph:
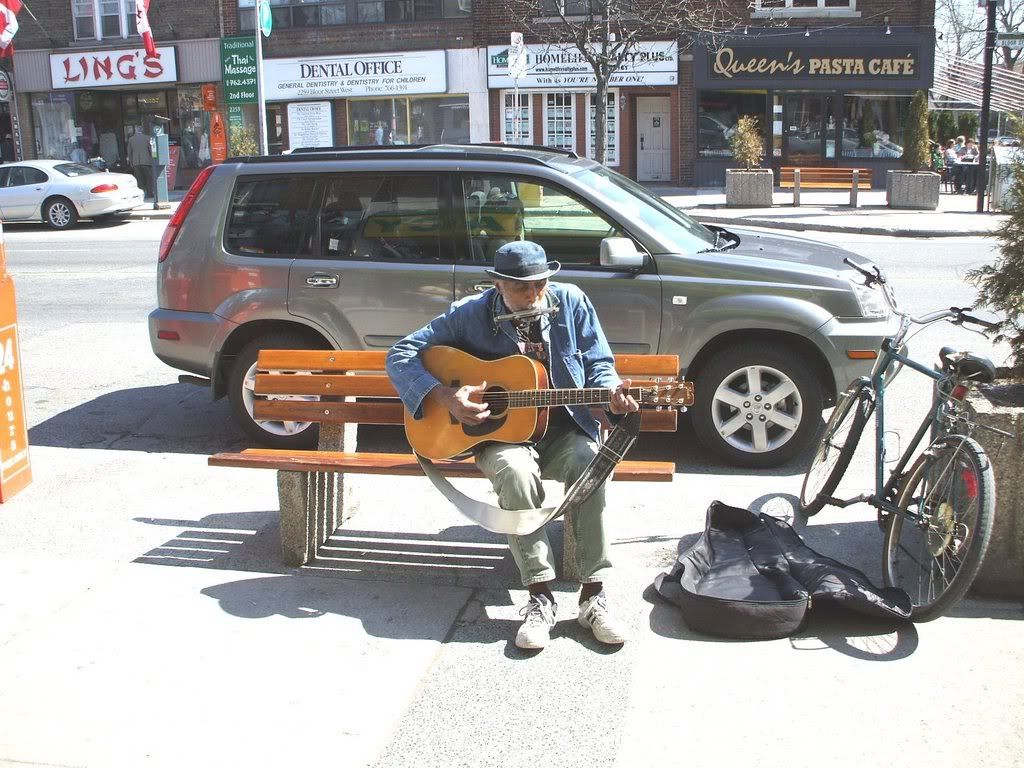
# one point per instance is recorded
(559, 121)
(571, 7)
(612, 157)
(424, 120)
(103, 19)
(270, 217)
(793, 8)
(525, 126)
(873, 125)
(52, 114)
(717, 115)
(500, 209)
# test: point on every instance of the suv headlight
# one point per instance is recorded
(872, 300)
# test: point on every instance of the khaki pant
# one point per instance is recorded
(516, 471)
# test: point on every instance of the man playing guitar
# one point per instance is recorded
(556, 324)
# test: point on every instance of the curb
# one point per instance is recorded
(854, 230)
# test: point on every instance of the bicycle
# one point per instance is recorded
(938, 515)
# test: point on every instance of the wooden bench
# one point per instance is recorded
(852, 179)
(311, 484)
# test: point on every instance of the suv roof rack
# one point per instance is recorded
(394, 151)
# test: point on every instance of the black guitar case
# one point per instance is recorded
(751, 576)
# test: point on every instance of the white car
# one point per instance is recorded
(58, 192)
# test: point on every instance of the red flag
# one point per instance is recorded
(8, 21)
(141, 23)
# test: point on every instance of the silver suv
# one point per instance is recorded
(354, 248)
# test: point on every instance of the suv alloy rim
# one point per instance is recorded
(60, 215)
(757, 409)
(273, 427)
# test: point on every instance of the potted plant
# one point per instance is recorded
(918, 186)
(749, 186)
(1001, 404)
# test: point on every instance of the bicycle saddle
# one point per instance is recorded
(968, 365)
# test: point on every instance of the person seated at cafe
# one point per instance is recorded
(949, 159)
(961, 143)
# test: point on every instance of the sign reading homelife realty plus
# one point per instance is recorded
(370, 74)
(91, 69)
(238, 69)
(563, 66)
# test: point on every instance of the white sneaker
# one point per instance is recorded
(606, 628)
(539, 615)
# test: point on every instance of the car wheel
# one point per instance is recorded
(756, 405)
(60, 213)
(242, 381)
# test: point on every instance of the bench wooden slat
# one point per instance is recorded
(394, 413)
(825, 178)
(399, 464)
(339, 361)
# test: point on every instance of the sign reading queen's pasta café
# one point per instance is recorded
(564, 66)
(369, 74)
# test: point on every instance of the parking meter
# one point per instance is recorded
(160, 155)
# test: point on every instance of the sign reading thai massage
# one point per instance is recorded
(91, 69)
(563, 66)
(238, 70)
(368, 74)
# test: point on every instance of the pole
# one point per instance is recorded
(986, 104)
(260, 104)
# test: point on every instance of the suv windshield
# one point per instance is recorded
(632, 200)
(74, 169)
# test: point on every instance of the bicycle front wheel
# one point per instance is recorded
(837, 446)
(936, 543)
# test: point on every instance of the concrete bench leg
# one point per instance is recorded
(312, 503)
(854, 188)
(796, 187)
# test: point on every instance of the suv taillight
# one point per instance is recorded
(171, 232)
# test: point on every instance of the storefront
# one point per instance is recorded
(408, 97)
(822, 99)
(96, 100)
(557, 106)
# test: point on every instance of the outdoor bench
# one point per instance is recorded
(322, 386)
(825, 178)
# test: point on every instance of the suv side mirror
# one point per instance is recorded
(620, 252)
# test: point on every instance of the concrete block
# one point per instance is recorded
(918, 190)
(749, 189)
(1002, 406)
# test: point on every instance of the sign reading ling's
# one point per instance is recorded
(738, 64)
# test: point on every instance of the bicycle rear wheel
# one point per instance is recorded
(935, 545)
(837, 446)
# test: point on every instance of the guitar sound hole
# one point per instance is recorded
(495, 397)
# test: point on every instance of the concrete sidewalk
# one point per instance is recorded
(818, 212)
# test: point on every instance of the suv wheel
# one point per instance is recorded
(242, 380)
(756, 406)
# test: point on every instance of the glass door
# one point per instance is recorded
(808, 130)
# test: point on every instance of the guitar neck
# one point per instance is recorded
(549, 398)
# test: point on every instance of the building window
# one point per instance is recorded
(425, 120)
(326, 13)
(559, 121)
(795, 8)
(525, 118)
(873, 125)
(717, 115)
(103, 19)
(612, 158)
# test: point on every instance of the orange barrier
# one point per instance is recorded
(15, 470)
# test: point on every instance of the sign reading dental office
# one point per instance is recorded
(563, 66)
(380, 74)
(89, 69)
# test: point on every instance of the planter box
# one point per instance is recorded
(1002, 406)
(749, 189)
(912, 189)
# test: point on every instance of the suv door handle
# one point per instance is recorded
(322, 281)
(481, 287)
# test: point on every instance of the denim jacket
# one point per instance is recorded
(578, 352)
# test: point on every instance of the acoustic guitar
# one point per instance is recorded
(518, 397)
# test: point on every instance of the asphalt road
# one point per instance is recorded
(145, 618)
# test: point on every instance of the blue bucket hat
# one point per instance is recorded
(522, 260)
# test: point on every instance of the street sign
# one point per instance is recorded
(517, 57)
(266, 18)
(1010, 40)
